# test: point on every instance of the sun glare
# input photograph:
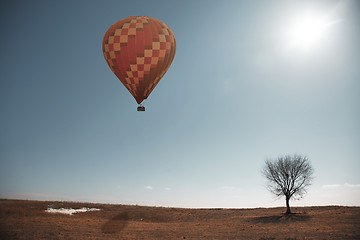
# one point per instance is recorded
(308, 31)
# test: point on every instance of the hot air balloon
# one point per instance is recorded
(139, 50)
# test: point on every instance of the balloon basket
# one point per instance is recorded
(141, 109)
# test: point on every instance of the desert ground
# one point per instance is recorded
(24, 219)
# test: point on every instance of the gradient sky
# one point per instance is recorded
(239, 91)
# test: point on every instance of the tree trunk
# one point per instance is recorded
(287, 205)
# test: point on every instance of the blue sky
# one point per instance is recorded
(243, 87)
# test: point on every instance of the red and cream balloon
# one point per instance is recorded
(139, 50)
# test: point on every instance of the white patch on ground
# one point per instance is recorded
(70, 211)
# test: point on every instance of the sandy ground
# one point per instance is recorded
(20, 219)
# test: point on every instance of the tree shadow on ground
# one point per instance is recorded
(115, 224)
(293, 217)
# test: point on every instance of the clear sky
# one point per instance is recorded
(250, 80)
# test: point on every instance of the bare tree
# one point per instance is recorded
(288, 176)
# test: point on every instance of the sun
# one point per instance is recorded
(308, 31)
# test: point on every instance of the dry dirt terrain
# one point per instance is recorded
(20, 219)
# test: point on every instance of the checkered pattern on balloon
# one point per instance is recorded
(139, 50)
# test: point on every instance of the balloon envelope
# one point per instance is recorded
(139, 50)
